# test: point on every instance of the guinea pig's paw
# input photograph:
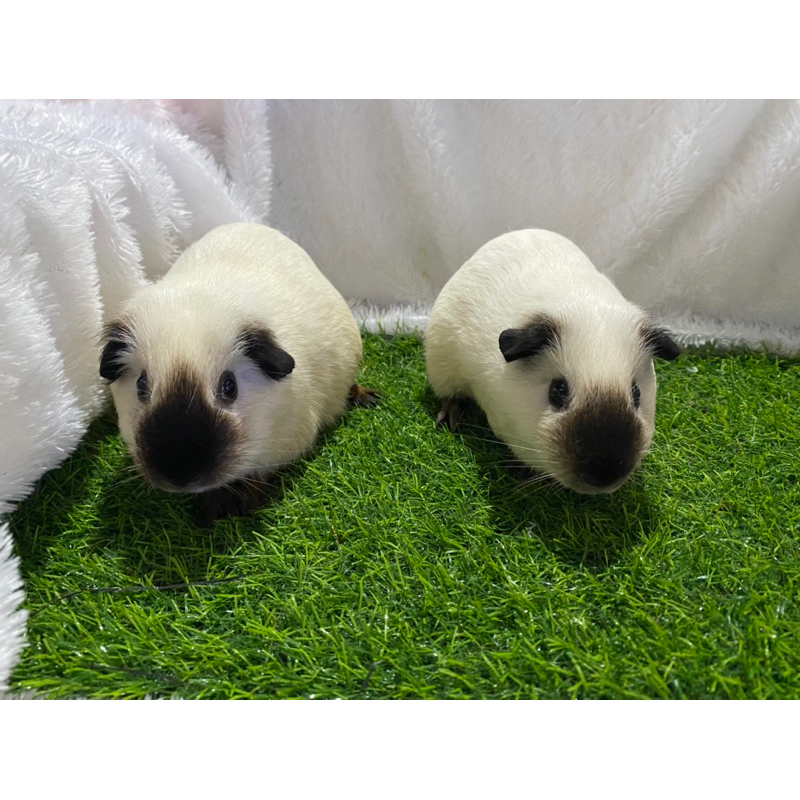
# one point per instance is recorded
(233, 500)
(361, 396)
(450, 414)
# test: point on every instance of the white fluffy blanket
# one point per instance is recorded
(690, 206)
(95, 199)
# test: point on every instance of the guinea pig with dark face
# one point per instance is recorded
(557, 358)
(228, 367)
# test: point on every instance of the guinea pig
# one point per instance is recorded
(560, 362)
(228, 367)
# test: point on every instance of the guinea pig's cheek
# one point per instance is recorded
(548, 448)
(127, 428)
(129, 437)
(532, 445)
(646, 414)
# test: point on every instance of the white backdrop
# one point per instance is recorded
(690, 206)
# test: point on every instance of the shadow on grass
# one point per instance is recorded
(57, 506)
(97, 503)
(581, 530)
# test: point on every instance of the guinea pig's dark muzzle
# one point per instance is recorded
(604, 443)
(605, 470)
(183, 441)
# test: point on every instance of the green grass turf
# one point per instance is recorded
(399, 560)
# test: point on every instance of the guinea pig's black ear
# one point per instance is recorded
(118, 341)
(659, 342)
(260, 346)
(523, 342)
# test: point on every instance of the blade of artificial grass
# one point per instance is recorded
(399, 560)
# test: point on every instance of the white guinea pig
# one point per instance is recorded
(229, 366)
(558, 359)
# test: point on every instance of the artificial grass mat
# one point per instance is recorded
(400, 560)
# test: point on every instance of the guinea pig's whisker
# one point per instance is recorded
(81, 458)
(487, 371)
(524, 447)
(476, 427)
(659, 449)
(542, 483)
(255, 468)
(497, 441)
(473, 437)
(254, 484)
(146, 489)
(194, 394)
(537, 478)
(236, 489)
(124, 481)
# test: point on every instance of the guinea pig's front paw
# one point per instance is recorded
(450, 414)
(233, 500)
(361, 396)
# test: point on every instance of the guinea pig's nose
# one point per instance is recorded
(182, 442)
(182, 479)
(180, 461)
(605, 470)
(603, 440)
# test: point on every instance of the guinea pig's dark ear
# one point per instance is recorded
(260, 346)
(118, 342)
(523, 342)
(659, 342)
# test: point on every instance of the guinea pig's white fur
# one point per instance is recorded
(560, 320)
(244, 301)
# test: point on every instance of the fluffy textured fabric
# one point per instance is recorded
(12, 618)
(95, 198)
(689, 206)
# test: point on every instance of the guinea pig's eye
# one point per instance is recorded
(559, 393)
(227, 387)
(143, 388)
(636, 393)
